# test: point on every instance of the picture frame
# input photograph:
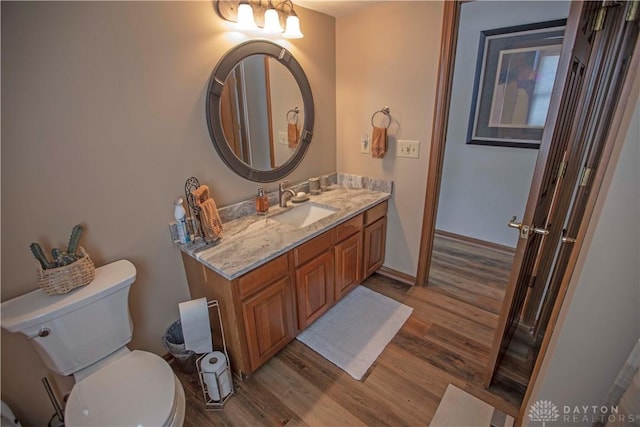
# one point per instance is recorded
(514, 78)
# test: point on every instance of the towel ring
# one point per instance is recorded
(295, 112)
(384, 110)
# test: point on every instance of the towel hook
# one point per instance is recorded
(384, 110)
(295, 112)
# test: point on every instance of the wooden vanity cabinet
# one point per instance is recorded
(348, 255)
(314, 274)
(257, 310)
(375, 237)
(264, 309)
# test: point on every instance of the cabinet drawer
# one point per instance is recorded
(348, 228)
(261, 276)
(375, 213)
(314, 247)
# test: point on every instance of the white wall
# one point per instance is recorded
(483, 186)
(388, 54)
(602, 322)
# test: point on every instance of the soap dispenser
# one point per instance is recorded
(262, 202)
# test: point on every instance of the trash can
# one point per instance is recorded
(173, 341)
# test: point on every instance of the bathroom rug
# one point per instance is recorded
(459, 408)
(354, 332)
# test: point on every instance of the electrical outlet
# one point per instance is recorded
(407, 148)
(282, 138)
(365, 147)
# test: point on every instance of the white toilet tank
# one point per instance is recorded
(74, 330)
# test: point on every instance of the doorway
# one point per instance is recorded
(483, 185)
(603, 49)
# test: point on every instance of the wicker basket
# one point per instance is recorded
(55, 281)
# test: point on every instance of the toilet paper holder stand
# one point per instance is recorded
(211, 404)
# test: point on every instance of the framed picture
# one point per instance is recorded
(515, 72)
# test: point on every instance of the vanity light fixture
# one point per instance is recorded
(250, 15)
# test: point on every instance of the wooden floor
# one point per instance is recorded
(446, 340)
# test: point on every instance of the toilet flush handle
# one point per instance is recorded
(43, 332)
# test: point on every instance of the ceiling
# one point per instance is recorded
(333, 8)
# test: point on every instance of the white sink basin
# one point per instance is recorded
(303, 215)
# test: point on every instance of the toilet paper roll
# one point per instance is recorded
(215, 365)
(196, 329)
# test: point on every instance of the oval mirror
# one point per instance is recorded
(260, 111)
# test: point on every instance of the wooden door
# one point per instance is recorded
(576, 114)
(374, 245)
(314, 288)
(348, 265)
(615, 46)
(267, 321)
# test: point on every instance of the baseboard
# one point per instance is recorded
(407, 279)
(476, 242)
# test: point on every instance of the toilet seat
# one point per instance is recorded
(137, 389)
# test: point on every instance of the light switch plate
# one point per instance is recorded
(282, 138)
(365, 147)
(408, 148)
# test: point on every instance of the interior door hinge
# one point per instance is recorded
(532, 282)
(599, 22)
(562, 169)
(584, 179)
(632, 11)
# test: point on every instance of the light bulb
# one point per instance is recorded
(271, 21)
(292, 30)
(245, 17)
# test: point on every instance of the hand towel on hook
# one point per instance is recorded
(292, 135)
(378, 142)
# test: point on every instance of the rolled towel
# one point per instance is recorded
(292, 135)
(378, 142)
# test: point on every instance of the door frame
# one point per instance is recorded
(614, 140)
(449, 37)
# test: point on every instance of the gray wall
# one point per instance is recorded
(388, 54)
(103, 121)
(602, 323)
(482, 186)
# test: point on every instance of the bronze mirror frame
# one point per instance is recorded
(214, 123)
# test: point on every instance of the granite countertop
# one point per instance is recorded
(252, 240)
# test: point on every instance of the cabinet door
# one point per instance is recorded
(267, 319)
(314, 288)
(375, 236)
(348, 265)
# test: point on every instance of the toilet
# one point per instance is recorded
(85, 333)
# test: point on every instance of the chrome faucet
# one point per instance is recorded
(282, 193)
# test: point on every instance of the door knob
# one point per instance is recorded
(526, 230)
(539, 230)
(513, 224)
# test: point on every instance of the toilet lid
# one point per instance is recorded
(136, 389)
